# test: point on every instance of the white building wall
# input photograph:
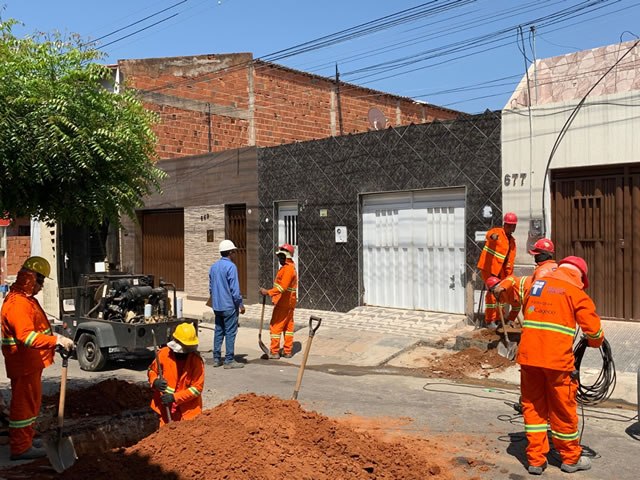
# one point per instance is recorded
(604, 132)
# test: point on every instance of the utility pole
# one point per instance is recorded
(339, 101)
(535, 67)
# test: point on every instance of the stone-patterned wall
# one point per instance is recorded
(332, 173)
(199, 254)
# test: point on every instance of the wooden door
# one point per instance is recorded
(163, 246)
(236, 231)
(596, 215)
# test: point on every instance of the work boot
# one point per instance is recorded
(30, 454)
(37, 442)
(274, 356)
(537, 470)
(287, 355)
(233, 364)
(584, 463)
(217, 363)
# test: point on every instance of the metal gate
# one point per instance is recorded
(596, 215)
(288, 228)
(413, 250)
(163, 246)
(237, 233)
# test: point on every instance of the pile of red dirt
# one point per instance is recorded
(468, 362)
(258, 437)
(109, 397)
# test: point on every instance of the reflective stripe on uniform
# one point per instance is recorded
(565, 436)
(9, 341)
(536, 427)
(490, 305)
(288, 334)
(280, 289)
(523, 280)
(30, 338)
(275, 335)
(195, 391)
(598, 334)
(21, 423)
(169, 390)
(551, 327)
(494, 253)
(294, 290)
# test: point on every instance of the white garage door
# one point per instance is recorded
(413, 250)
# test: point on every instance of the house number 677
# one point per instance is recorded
(514, 179)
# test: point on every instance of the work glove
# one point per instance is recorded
(167, 399)
(64, 342)
(160, 384)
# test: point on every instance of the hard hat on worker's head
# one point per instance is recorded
(185, 333)
(492, 282)
(39, 265)
(285, 249)
(580, 264)
(510, 218)
(544, 245)
(226, 246)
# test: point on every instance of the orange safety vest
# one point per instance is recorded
(516, 290)
(556, 303)
(187, 388)
(285, 287)
(498, 255)
(545, 268)
(28, 345)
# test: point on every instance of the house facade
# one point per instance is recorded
(571, 167)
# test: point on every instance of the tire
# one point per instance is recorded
(90, 356)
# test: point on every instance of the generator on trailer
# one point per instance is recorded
(116, 316)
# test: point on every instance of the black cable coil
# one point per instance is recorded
(605, 384)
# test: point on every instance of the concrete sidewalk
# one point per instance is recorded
(375, 337)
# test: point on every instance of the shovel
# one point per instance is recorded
(159, 366)
(506, 348)
(60, 450)
(263, 347)
(312, 332)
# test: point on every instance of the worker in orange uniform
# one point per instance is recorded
(496, 261)
(284, 297)
(548, 379)
(178, 390)
(28, 346)
(514, 290)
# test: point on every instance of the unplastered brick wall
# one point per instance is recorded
(202, 101)
(199, 254)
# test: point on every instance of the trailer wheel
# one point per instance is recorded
(90, 356)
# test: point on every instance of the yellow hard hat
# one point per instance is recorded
(39, 265)
(185, 333)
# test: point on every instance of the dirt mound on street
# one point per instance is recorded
(468, 362)
(257, 437)
(109, 397)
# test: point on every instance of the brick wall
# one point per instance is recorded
(18, 250)
(212, 103)
(199, 254)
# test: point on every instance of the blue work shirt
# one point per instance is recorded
(224, 285)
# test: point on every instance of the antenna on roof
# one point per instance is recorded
(377, 120)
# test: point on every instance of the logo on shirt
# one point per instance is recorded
(536, 288)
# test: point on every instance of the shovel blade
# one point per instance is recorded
(263, 347)
(61, 453)
(508, 350)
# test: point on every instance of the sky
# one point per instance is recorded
(467, 55)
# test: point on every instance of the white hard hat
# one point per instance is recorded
(226, 245)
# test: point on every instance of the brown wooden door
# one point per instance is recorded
(596, 215)
(163, 246)
(237, 233)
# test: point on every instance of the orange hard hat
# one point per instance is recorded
(580, 264)
(542, 245)
(492, 282)
(510, 218)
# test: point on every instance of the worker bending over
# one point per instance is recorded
(28, 346)
(283, 295)
(548, 379)
(178, 390)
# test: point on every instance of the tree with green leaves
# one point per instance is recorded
(71, 150)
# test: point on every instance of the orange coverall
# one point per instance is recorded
(556, 303)
(185, 379)
(284, 296)
(28, 346)
(516, 289)
(496, 260)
